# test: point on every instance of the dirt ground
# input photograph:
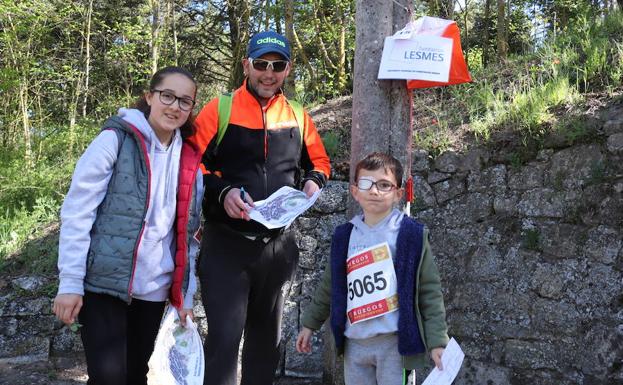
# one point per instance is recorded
(66, 371)
(62, 372)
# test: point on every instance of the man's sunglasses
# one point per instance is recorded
(275, 65)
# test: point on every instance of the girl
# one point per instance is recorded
(127, 234)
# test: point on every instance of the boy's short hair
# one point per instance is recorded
(378, 160)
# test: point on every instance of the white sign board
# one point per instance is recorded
(422, 57)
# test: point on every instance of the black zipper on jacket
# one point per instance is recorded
(256, 97)
(265, 151)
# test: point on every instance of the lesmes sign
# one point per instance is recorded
(423, 57)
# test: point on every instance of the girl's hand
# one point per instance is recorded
(66, 307)
(183, 313)
(303, 341)
(436, 354)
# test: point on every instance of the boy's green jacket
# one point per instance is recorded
(429, 305)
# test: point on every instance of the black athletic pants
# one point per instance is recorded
(241, 282)
(118, 338)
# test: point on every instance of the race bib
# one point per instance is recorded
(372, 285)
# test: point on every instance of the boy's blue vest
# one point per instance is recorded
(409, 247)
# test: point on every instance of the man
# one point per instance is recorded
(243, 265)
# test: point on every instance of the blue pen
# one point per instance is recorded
(242, 197)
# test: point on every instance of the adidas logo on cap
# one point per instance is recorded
(273, 40)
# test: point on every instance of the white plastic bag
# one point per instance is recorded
(178, 353)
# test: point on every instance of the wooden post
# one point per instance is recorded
(381, 112)
(381, 118)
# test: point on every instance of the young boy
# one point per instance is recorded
(381, 286)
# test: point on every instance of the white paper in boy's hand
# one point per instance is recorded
(451, 360)
(282, 207)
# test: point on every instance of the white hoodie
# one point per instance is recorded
(155, 256)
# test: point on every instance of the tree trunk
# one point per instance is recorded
(19, 60)
(323, 49)
(447, 9)
(501, 34)
(73, 114)
(81, 82)
(485, 44)
(465, 39)
(238, 15)
(267, 15)
(155, 34)
(171, 5)
(441, 8)
(507, 25)
(87, 58)
(290, 87)
(466, 44)
(381, 111)
(341, 58)
(23, 105)
(310, 68)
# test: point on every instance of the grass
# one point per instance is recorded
(515, 160)
(572, 128)
(30, 200)
(25, 239)
(528, 95)
(433, 140)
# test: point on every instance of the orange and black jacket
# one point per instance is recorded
(261, 151)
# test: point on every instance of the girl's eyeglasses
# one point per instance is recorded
(275, 65)
(168, 98)
(381, 185)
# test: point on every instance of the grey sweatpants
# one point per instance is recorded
(373, 361)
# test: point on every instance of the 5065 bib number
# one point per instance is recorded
(358, 287)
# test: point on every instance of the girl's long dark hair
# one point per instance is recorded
(141, 104)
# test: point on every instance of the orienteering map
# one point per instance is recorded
(282, 207)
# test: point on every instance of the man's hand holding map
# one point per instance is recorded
(282, 207)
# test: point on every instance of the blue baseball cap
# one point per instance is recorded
(266, 42)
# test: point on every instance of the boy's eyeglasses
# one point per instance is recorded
(168, 98)
(275, 65)
(381, 185)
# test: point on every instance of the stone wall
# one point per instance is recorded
(530, 254)
(531, 258)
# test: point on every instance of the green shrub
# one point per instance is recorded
(331, 142)
(25, 224)
(524, 93)
(31, 195)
